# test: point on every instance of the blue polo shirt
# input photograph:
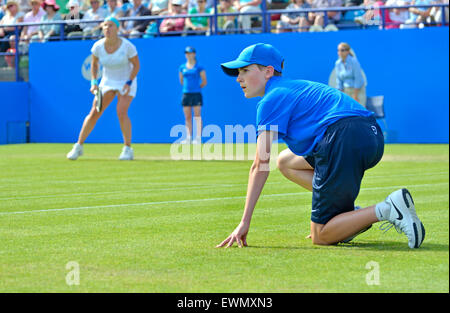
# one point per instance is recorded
(191, 78)
(302, 111)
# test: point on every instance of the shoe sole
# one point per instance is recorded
(73, 158)
(127, 158)
(419, 229)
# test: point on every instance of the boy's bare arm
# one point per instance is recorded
(257, 178)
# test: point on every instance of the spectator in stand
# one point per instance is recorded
(24, 6)
(192, 3)
(48, 31)
(349, 76)
(96, 12)
(397, 16)
(112, 9)
(12, 16)
(189, 4)
(34, 16)
(417, 16)
(200, 24)
(11, 59)
(156, 7)
(226, 24)
(169, 25)
(316, 19)
(135, 29)
(126, 5)
(72, 30)
(370, 17)
(244, 6)
(159, 7)
(436, 13)
(292, 21)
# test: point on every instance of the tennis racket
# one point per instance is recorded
(99, 99)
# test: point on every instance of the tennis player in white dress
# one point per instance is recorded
(120, 62)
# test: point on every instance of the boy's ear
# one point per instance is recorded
(270, 70)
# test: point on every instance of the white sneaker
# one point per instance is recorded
(404, 218)
(76, 152)
(197, 141)
(127, 154)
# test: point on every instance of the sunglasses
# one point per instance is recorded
(342, 50)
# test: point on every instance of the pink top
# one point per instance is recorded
(30, 18)
(172, 24)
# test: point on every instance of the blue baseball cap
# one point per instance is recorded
(189, 49)
(260, 53)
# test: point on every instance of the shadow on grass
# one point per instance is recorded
(379, 245)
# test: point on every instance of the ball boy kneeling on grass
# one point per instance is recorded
(332, 140)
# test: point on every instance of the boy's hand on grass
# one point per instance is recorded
(239, 235)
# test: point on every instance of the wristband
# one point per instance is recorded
(94, 82)
(129, 82)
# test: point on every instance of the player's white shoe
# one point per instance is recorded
(403, 217)
(197, 141)
(76, 152)
(127, 153)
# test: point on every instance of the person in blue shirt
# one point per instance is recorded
(331, 141)
(349, 76)
(193, 78)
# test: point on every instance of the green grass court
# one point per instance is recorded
(151, 225)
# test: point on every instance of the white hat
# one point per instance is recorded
(12, 2)
(72, 3)
(178, 2)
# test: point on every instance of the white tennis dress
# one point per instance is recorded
(116, 66)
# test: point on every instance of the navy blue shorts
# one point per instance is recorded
(192, 99)
(349, 147)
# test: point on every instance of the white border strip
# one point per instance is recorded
(181, 188)
(198, 200)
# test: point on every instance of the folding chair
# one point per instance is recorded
(376, 105)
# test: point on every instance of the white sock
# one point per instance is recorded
(382, 211)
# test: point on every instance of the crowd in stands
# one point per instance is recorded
(78, 13)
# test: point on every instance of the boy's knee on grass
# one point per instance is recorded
(322, 240)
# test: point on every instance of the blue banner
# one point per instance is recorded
(408, 67)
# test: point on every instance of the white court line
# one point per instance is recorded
(199, 200)
(196, 186)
